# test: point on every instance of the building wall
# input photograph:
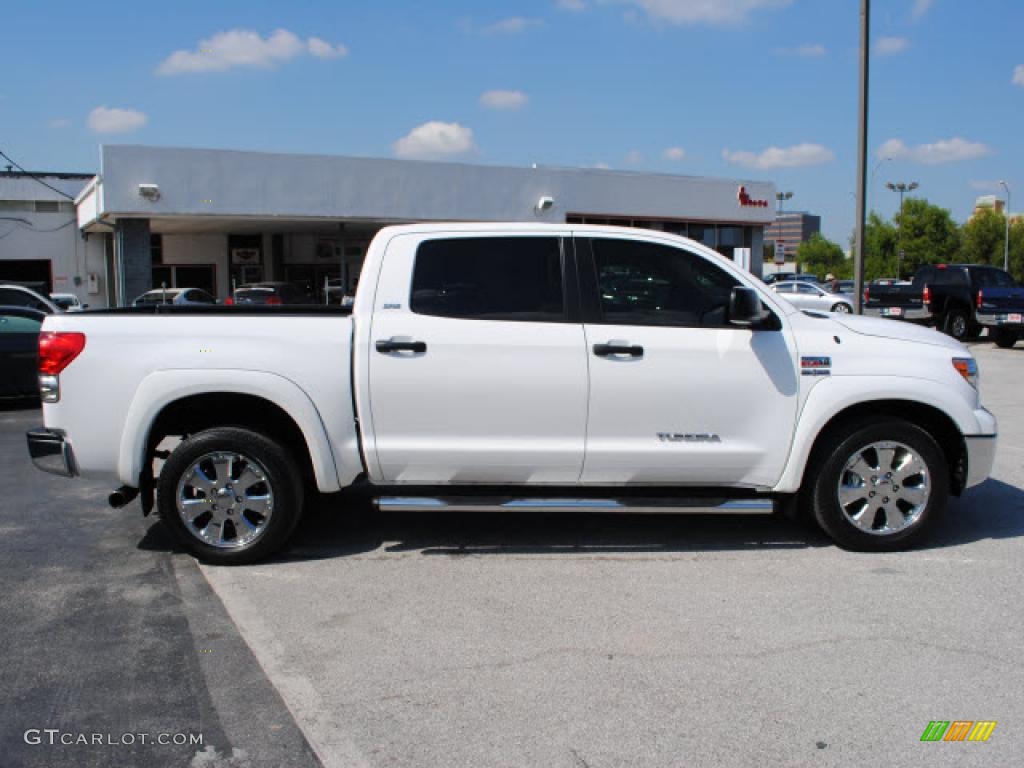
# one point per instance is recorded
(27, 234)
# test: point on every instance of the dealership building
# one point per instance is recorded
(215, 219)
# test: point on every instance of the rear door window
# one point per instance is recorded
(490, 278)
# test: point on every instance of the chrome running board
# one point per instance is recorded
(637, 506)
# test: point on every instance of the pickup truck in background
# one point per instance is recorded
(516, 367)
(959, 299)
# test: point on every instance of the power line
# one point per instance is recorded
(34, 177)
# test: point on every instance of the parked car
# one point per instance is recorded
(959, 299)
(272, 294)
(806, 295)
(68, 302)
(779, 277)
(19, 343)
(20, 296)
(509, 393)
(179, 296)
(335, 293)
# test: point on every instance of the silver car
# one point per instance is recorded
(805, 295)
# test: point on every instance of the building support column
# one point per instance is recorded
(133, 261)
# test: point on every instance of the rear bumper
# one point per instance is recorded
(981, 455)
(51, 453)
(997, 319)
(914, 315)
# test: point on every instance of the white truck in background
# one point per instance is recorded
(517, 367)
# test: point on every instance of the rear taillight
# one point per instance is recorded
(57, 349)
(274, 300)
(867, 293)
(926, 295)
(981, 299)
(229, 301)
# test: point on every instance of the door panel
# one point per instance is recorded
(459, 399)
(703, 403)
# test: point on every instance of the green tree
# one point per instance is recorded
(820, 256)
(982, 238)
(927, 234)
(879, 248)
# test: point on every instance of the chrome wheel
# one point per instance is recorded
(884, 488)
(225, 500)
(958, 326)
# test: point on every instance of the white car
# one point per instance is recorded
(511, 367)
(177, 296)
(807, 295)
(68, 302)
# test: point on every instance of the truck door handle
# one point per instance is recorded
(386, 346)
(618, 348)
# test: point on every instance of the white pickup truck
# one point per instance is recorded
(514, 367)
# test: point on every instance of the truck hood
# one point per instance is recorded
(897, 330)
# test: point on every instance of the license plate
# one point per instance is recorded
(892, 311)
(1014, 318)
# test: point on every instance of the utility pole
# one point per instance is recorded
(1006, 212)
(901, 187)
(862, 158)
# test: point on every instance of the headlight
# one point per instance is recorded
(968, 368)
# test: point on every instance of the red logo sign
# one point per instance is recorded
(748, 202)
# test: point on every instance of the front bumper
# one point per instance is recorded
(51, 453)
(997, 319)
(981, 455)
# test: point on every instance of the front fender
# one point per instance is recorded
(161, 388)
(833, 395)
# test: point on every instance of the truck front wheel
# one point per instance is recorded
(230, 495)
(880, 488)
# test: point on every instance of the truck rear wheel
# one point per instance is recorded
(1005, 338)
(230, 495)
(881, 488)
(957, 325)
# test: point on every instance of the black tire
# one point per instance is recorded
(957, 324)
(1005, 338)
(829, 469)
(282, 477)
(841, 306)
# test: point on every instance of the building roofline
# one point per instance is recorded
(44, 174)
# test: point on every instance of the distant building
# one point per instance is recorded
(792, 228)
(995, 204)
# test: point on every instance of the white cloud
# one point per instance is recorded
(674, 153)
(889, 46)
(435, 140)
(945, 151)
(60, 122)
(921, 7)
(116, 120)
(810, 51)
(324, 50)
(499, 99)
(246, 48)
(571, 5)
(601, 166)
(705, 11)
(634, 157)
(781, 157)
(514, 25)
(1018, 75)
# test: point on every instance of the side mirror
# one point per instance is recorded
(744, 306)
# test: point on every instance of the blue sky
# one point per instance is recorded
(753, 89)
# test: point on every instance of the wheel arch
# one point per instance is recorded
(931, 419)
(184, 403)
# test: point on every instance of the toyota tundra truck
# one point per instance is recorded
(510, 368)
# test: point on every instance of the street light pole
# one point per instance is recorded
(1006, 246)
(901, 187)
(862, 157)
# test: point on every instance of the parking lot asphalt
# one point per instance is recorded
(520, 640)
(649, 641)
(107, 633)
